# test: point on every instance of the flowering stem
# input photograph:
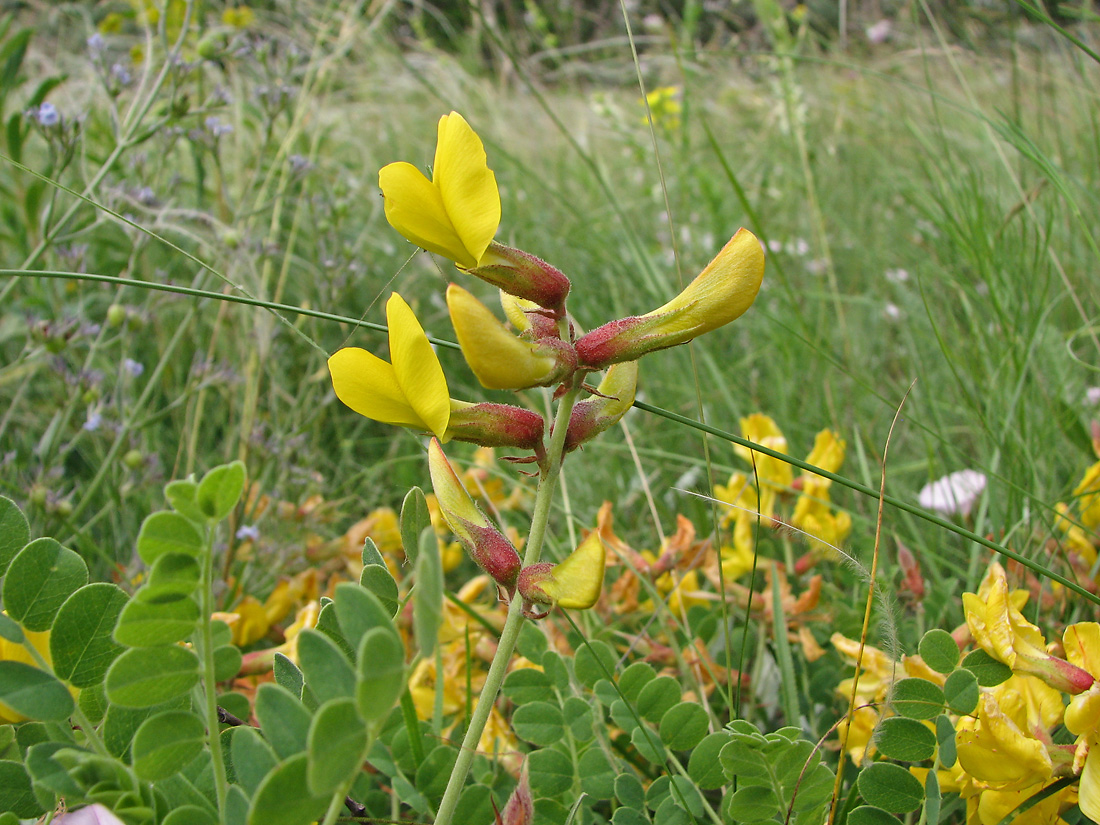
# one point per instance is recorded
(533, 549)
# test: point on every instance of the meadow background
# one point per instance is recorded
(926, 180)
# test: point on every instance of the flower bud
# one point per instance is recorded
(521, 274)
(495, 425)
(483, 541)
(721, 292)
(499, 359)
(574, 584)
(615, 395)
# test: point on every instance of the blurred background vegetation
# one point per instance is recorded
(921, 173)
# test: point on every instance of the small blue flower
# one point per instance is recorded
(248, 532)
(96, 43)
(48, 115)
(134, 368)
(95, 420)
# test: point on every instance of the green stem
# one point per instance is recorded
(512, 625)
(206, 594)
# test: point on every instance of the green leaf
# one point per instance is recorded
(753, 803)
(286, 673)
(227, 662)
(629, 816)
(634, 678)
(527, 685)
(171, 573)
(220, 490)
(147, 676)
(596, 773)
(120, 724)
(328, 672)
(594, 661)
(166, 532)
(428, 595)
(337, 745)
(435, 770)
(359, 610)
(550, 772)
(988, 670)
(380, 680)
(961, 690)
(932, 797)
(371, 554)
(704, 766)
(284, 720)
(743, 760)
(648, 743)
(939, 650)
(10, 630)
(14, 532)
(166, 743)
(377, 579)
(34, 693)
(916, 698)
(553, 665)
(190, 815)
(48, 774)
(578, 717)
(283, 798)
(870, 815)
(531, 643)
(623, 716)
(16, 795)
(80, 642)
(629, 790)
(539, 723)
(475, 805)
(183, 498)
(163, 621)
(684, 725)
(415, 519)
(905, 740)
(945, 738)
(39, 580)
(251, 756)
(657, 698)
(890, 787)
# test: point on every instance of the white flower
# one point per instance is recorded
(880, 32)
(1092, 395)
(954, 493)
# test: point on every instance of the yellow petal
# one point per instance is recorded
(1089, 790)
(499, 359)
(416, 366)
(369, 386)
(467, 185)
(414, 207)
(577, 581)
(720, 293)
(454, 501)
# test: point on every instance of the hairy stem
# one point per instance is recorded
(499, 667)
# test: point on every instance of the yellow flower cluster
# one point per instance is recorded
(759, 490)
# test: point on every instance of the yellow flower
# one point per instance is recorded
(665, 107)
(1082, 644)
(1000, 629)
(574, 584)
(457, 212)
(721, 292)
(12, 652)
(239, 18)
(996, 748)
(499, 359)
(487, 546)
(409, 392)
(1088, 497)
(614, 397)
